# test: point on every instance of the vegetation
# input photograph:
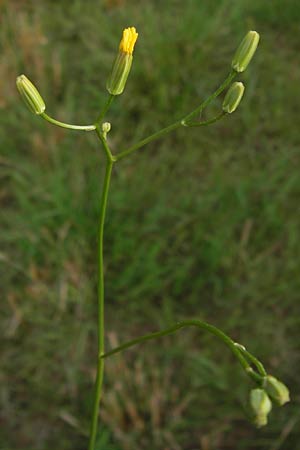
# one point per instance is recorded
(220, 244)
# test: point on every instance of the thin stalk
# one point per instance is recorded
(205, 122)
(181, 122)
(105, 108)
(148, 139)
(68, 125)
(190, 323)
(221, 88)
(259, 365)
(106, 148)
(100, 362)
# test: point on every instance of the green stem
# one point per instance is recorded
(205, 122)
(145, 141)
(68, 125)
(105, 108)
(189, 323)
(252, 359)
(181, 122)
(108, 153)
(221, 88)
(100, 363)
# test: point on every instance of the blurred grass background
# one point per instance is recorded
(203, 223)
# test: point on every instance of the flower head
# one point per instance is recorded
(245, 51)
(261, 406)
(276, 390)
(233, 97)
(122, 65)
(30, 95)
(128, 40)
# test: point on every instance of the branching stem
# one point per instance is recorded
(182, 122)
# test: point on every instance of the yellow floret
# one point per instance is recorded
(128, 40)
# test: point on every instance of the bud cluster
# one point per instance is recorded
(241, 59)
(261, 399)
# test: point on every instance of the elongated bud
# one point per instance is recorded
(233, 97)
(245, 51)
(261, 405)
(276, 390)
(122, 65)
(30, 95)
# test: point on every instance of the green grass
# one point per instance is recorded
(204, 223)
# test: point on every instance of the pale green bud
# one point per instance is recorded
(276, 390)
(245, 51)
(30, 95)
(122, 65)
(106, 126)
(261, 405)
(233, 97)
(119, 74)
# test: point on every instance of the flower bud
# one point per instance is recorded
(261, 406)
(276, 390)
(245, 51)
(30, 95)
(233, 97)
(122, 65)
(106, 126)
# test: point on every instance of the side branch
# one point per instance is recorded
(184, 121)
(191, 323)
(69, 126)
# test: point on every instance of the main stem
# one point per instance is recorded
(100, 361)
(110, 159)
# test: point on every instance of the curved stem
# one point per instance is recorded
(68, 125)
(190, 323)
(100, 363)
(180, 122)
(252, 359)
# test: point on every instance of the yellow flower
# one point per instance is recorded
(122, 65)
(128, 40)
